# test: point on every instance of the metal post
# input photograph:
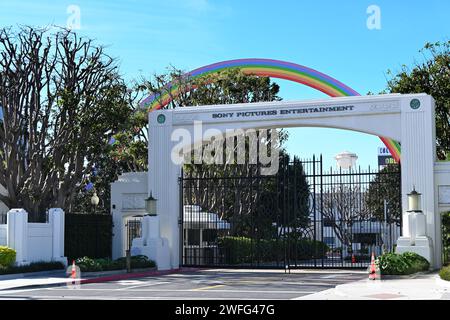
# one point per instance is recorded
(128, 251)
(385, 226)
(128, 260)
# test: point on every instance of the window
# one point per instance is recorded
(329, 241)
(366, 238)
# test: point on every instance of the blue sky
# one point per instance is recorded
(330, 36)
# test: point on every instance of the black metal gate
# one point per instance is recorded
(301, 217)
(133, 226)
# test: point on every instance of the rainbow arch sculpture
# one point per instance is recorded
(275, 69)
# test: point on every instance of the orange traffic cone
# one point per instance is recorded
(73, 274)
(372, 270)
(353, 258)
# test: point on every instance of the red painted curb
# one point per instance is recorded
(135, 275)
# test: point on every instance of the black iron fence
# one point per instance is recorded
(42, 218)
(134, 229)
(88, 235)
(300, 217)
(445, 223)
(3, 218)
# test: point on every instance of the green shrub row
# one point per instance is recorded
(87, 264)
(237, 250)
(402, 264)
(7, 256)
(444, 273)
(32, 267)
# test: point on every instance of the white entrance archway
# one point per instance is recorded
(408, 119)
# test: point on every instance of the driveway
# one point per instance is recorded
(201, 284)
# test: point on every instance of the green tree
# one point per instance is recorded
(385, 186)
(241, 202)
(61, 98)
(129, 151)
(432, 76)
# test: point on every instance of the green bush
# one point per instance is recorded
(87, 264)
(7, 256)
(33, 267)
(446, 236)
(139, 261)
(392, 264)
(402, 264)
(417, 262)
(445, 273)
(237, 250)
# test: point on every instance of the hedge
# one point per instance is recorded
(33, 267)
(444, 273)
(88, 235)
(87, 264)
(402, 264)
(7, 256)
(236, 250)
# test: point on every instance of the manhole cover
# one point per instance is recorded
(385, 296)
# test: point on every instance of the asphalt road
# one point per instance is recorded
(201, 284)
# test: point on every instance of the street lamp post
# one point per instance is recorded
(95, 201)
(150, 205)
(417, 220)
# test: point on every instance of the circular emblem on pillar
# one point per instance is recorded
(415, 104)
(161, 118)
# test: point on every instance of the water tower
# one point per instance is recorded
(346, 160)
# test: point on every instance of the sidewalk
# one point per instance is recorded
(13, 281)
(417, 287)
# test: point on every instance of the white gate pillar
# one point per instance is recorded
(418, 136)
(163, 177)
(56, 219)
(17, 234)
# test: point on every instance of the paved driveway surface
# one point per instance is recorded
(201, 284)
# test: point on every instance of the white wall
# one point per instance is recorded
(35, 241)
(40, 237)
(127, 199)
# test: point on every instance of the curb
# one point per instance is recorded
(12, 276)
(405, 276)
(95, 274)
